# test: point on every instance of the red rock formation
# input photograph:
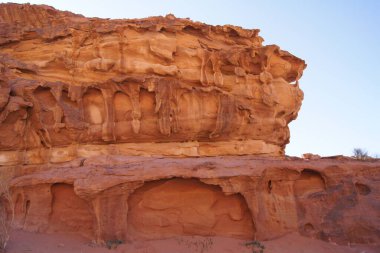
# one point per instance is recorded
(119, 197)
(70, 85)
(80, 98)
(167, 208)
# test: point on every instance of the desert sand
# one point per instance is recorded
(63, 243)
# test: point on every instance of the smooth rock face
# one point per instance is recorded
(187, 207)
(70, 83)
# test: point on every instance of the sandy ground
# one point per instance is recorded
(25, 242)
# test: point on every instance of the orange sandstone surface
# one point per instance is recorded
(145, 130)
(74, 87)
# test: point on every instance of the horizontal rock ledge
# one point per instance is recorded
(173, 149)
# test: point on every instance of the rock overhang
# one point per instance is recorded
(72, 85)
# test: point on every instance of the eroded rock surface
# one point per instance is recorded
(83, 99)
(136, 198)
(173, 207)
(70, 85)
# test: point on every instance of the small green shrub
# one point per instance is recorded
(112, 244)
(256, 246)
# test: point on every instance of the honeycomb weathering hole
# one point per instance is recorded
(308, 229)
(175, 207)
(309, 182)
(362, 189)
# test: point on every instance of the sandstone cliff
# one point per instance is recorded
(130, 129)
(70, 85)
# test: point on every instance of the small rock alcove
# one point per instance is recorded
(309, 182)
(69, 213)
(176, 207)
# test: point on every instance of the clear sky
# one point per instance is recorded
(339, 39)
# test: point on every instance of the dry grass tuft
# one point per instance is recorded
(6, 211)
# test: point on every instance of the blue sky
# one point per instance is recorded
(339, 39)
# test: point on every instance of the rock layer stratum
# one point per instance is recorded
(136, 130)
(120, 197)
(71, 86)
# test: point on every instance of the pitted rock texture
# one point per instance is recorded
(136, 198)
(70, 85)
(82, 98)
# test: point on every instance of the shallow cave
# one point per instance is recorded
(175, 207)
(69, 213)
(309, 182)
